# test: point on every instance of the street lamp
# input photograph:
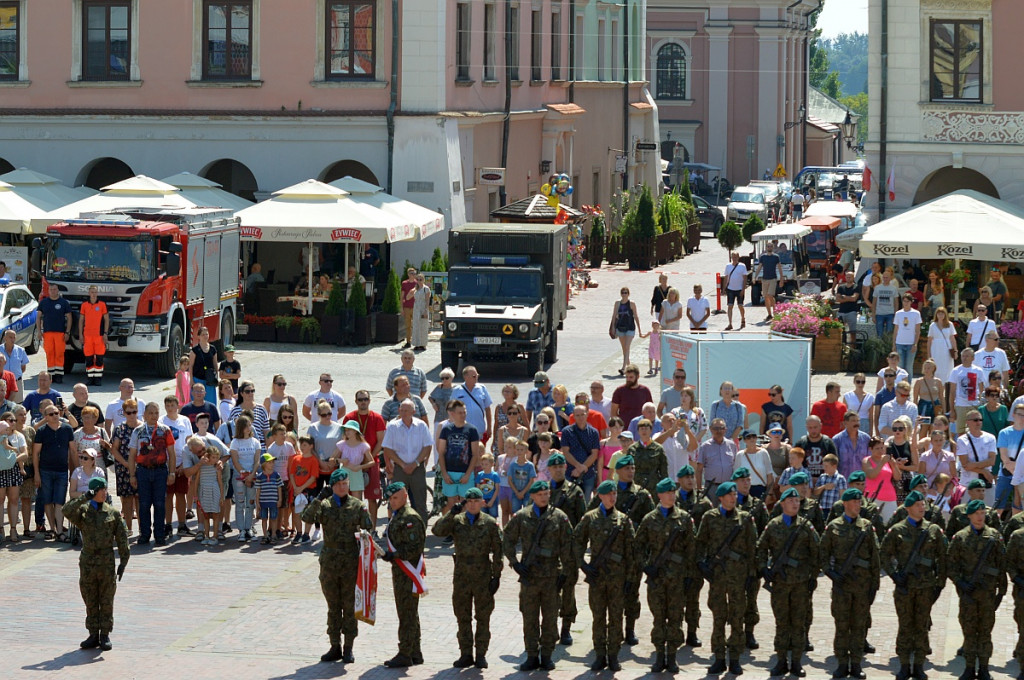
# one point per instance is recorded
(803, 118)
(849, 127)
(802, 111)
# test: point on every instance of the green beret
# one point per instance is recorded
(665, 485)
(977, 484)
(474, 494)
(913, 497)
(339, 475)
(624, 461)
(607, 486)
(393, 488)
(556, 459)
(539, 486)
(97, 484)
(974, 506)
(853, 495)
(724, 488)
(741, 473)
(799, 478)
(857, 476)
(789, 493)
(917, 480)
(686, 471)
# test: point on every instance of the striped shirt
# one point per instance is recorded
(893, 410)
(268, 486)
(260, 423)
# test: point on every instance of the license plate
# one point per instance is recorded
(479, 340)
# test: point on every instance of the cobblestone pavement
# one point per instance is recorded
(256, 611)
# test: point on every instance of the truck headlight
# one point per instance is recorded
(524, 327)
(147, 327)
(452, 326)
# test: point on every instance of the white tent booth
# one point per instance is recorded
(205, 192)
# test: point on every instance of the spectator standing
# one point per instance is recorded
(225, 400)
(659, 295)
(373, 426)
(325, 393)
(624, 325)
(848, 296)
(693, 414)
(769, 270)
(830, 410)
(245, 452)
(673, 433)
(830, 484)
(50, 455)
(942, 343)
(1010, 442)
(937, 459)
(279, 397)
(977, 451)
(671, 311)
(230, 368)
(900, 406)
(610, 446)
(902, 450)
(817, 445)
(17, 361)
(561, 407)
(885, 296)
(715, 460)
(417, 378)
(883, 396)
(979, 326)
(734, 282)
(353, 455)
(649, 413)
(757, 461)
(878, 468)
(581, 444)
(181, 429)
(907, 334)
(999, 293)
(732, 412)
(202, 360)
(326, 434)
(776, 410)
(247, 402)
(929, 391)
(442, 394)
(54, 319)
(628, 399)
(80, 394)
(599, 402)
(594, 418)
(671, 397)
(408, 444)
(458, 454)
(43, 391)
(151, 463)
(540, 396)
(859, 401)
(408, 301)
(120, 441)
(698, 310)
(200, 405)
(13, 456)
(421, 315)
(892, 364)
(389, 410)
(967, 381)
(851, 445)
(477, 400)
(992, 357)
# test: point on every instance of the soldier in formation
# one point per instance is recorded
(406, 535)
(958, 515)
(342, 517)
(693, 501)
(932, 513)
(869, 509)
(1015, 572)
(754, 506)
(567, 497)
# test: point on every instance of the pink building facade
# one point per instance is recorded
(729, 78)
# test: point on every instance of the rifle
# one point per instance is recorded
(782, 561)
(597, 562)
(968, 587)
(654, 569)
(902, 576)
(838, 577)
(528, 557)
(708, 565)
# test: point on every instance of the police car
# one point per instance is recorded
(18, 312)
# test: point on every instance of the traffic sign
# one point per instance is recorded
(780, 172)
(646, 146)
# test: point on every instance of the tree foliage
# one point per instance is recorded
(730, 236)
(848, 57)
(752, 226)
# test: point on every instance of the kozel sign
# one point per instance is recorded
(952, 250)
(890, 250)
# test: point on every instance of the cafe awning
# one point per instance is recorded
(135, 192)
(205, 192)
(427, 221)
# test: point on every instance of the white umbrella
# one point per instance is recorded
(135, 192)
(42, 190)
(206, 192)
(831, 209)
(16, 213)
(427, 221)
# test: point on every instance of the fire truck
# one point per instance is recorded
(162, 273)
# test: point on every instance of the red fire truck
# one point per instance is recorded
(162, 273)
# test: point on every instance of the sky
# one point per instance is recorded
(843, 16)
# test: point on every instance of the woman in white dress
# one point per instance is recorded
(858, 400)
(942, 344)
(420, 314)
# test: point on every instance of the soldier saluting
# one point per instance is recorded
(914, 555)
(477, 574)
(665, 543)
(341, 517)
(787, 554)
(547, 559)
(849, 557)
(696, 504)
(977, 569)
(102, 528)
(567, 497)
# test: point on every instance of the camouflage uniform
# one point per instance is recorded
(852, 598)
(477, 547)
(538, 592)
(102, 528)
(339, 560)
(727, 591)
(1015, 570)
(666, 590)
(791, 584)
(651, 464)
(977, 607)
(696, 504)
(568, 498)
(932, 514)
(407, 533)
(958, 520)
(810, 510)
(913, 607)
(1010, 526)
(606, 594)
(755, 506)
(868, 510)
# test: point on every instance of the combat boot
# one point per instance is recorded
(417, 658)
(464, 661)
(105, 644)
(692, 640)
(904, 672)
(842, 671)
(398, 661)
(735, 668)
(333, 654)
(796, 669)
(630, 638)
(969, 674)
(613, 663)
(566, 636)
(718, 667)
(917, 671)
(659, 664)
(532, 663)
(91, 642)
(857, 672)
(481, 659)
(751, 640)
(868, 648)
(670, 661)
(546, 664)
(600, 663)
(346, 653)
(983, 673)
(781, 667)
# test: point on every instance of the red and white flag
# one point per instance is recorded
(866, 181)
(417, 574)
(366, 579)
(890, 184)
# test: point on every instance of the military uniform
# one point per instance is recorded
(696, 504)
(1015, 570)
(341, 519)
(790, 584)
(568, 498)
(407, 533)
(547, 554)
(727, 592)
(958, 520)
(869, 510)
(757, 510)
(614, 565)
(977, 605)
(1010, 526)
(651, 465)
(853, 595)
(810, 510)
(477, 562)
(932, 514)
(914, 603)
(669, 571)
(102, 528)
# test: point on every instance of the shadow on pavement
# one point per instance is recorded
(77, 657)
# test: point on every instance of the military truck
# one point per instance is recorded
(507, 293)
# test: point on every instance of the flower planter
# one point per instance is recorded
(827, 352)
(388, 328)
(362, 331)
(331, 330)
(261, 332)
(292, 334)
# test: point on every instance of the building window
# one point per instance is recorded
(10, 40)
(616, 48)
(956, 60)
(556, 46)
(227, 44)
(513, 42)
(536, 45)
(489, 29)
(106, 53)
(351, 47)
(671, 72)
(580, 33)
(602, 48)
(463, 34)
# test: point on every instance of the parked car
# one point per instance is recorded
(747, 201)
(20, 309)
(775, 194)
(711, 218)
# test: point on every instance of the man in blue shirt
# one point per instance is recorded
(458, 453)
(477, 401)
(17, 361)
(539, 397)
(769, 268)
(580, 446)
(43, 391)
(55, 319)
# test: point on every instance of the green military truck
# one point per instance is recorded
(507, 293)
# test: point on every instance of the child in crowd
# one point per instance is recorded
(303, 470)
(282, 450)
(940, 493)
(183, 381)
(796, 464)
(441, 395)
(831, 484)
(268, 492)
(521, 473)
(609, 447)
(544, 441)
(654, 348)
(505, 495)
(354, 455)
(488, 481)
(209, 493)
(230, 368)
(625, 441)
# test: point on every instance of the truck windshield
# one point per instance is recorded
(473, 284)
(73, 259)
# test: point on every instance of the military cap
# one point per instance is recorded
(853, 495)
(977, 484)
(339, 475)
(393, 488)
(686, 471)
(724, 488)
(556, 459)
(789, 493)
(607, 486)
(917, 480)
(741, 473)
(857, 476)
(913, 497)
(97, 484)
(974, 506)
(474, 494)
(624, 461)
(799, 478)
(539, 486)
(665, 486)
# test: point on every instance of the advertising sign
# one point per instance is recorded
(16, 259)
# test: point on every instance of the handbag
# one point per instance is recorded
(984, 329)
(952, 351)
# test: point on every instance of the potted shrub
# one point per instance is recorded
(309, 330)
(390, 318)
(645, 230)
(288, 328)
(361, 329)
(332, 325)
(261, 328)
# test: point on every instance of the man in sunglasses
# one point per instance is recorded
(326, 393)
(977, 451)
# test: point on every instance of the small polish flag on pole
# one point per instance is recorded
(890, 184)
(866, 181)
